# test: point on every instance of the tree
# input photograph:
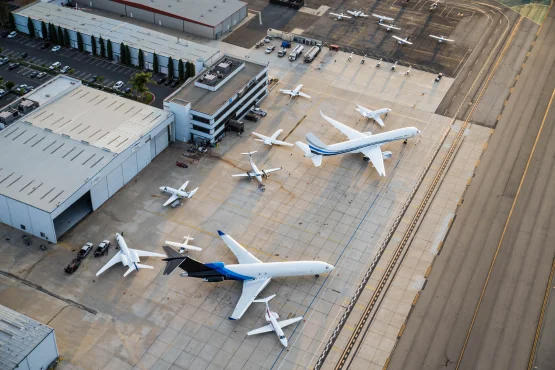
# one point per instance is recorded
(79, 41)
(31, 27)
(141, 59)
(187, 70)
(43, 30)
(52, 33)
(181, 70)
(61, 36)
(66, 37)
(170, 68)
(4, 14)
(12, 22)
(93, 45)
(102, 48)
(155, 63)
(9, 85)
(122, 58)
(109, 50)
(138, 83)
(191, 69)
(127, 55)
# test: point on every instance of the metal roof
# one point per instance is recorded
(118, 32)
(205, 12)
(19, 335)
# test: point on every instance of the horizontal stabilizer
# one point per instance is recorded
(264, 300)
(192, 192)
(249, 153)
(184, 246)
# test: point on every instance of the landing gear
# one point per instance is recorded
(317, 276)
(404, 142)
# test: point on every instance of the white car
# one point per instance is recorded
(267, 39)
(270, 48)
(12, 34)
(55, 65)
(118, 85)
(56, 48)
(65, 69)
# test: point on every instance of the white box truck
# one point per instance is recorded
(296, 52)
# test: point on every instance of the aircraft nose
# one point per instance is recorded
(284, 342)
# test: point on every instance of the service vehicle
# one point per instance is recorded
(85, 250)
(270, 48)
(102, 248)
(258, 111)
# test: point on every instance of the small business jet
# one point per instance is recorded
(382, 18)
(401, 41)
(357, 13)
(340, 16)
(184, 246)
(256, 173)
(375, 115)
(178, 193)
(128, 257)
(296, 92)
(389, 27)
(271, 140)
(441, 39)
(274, 324)
(254, 273)
(359, 142)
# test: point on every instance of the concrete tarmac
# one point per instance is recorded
(481, 306)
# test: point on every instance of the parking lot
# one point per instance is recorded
(84, 65)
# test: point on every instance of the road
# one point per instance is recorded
(481, 306)
(85, 65)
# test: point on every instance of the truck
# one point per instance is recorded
(312, 53)
(296, 52)
(286, 44)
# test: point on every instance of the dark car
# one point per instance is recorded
(73, 266)
(45, 45)
(85, 250)
(23, 55)
(251, 117)
(33, 74)
(93, 78)
(13, 66)
(168, 82)
(127, 90)
(102, 248)
(174, 83)
(162, 80)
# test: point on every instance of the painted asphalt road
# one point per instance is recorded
(84, 64)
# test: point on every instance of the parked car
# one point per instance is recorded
(65, 69)
(55, 65)
(118, 85)
(12, 34)
(270, 48)
(56, 48)
(251, 117)
(267, 39)
(33, 74)
(23, 55)
(4, 60)
(102, 248)
(282, 52)
(162, 80)
(93, 78)
(13, 66)
(29, 88)
(168, 82)
(2, 92)
(85, 250)
(73, 266)
(44, 45)
(41, 75)
(259, 111)
(174, 83)
(127, 90)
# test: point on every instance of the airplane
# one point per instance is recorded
(375, 115)
(441, 39)
(401, 41)
(254, 274)
(274, 324)
(128, 257)
(270, 140)
(184, 246)
(357, 13)
(256, 173)
(296, 92)
(389, 27)
(382, 18)
(178, 193)
(340, 16)
(359, 142)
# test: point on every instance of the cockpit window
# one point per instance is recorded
(282, 337)
(327, 267)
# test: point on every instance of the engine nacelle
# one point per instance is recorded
(215, 279)
(387, 155)
(366, 159)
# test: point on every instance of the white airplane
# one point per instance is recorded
(441, 39)
(357, 13)
(256, 173)
(401, 41)
(274, 324)
(270, 140)
(178, 193)
(382, 18)
(296, 92)
(184, 246)
(359, 142)
(389, 27)
(340, 16)
(128, 257)
(375, 115)
(254, 273)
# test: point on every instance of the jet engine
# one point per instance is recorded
(387, 155)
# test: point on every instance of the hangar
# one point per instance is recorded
(75, 151)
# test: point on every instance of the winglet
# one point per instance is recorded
(220, 233)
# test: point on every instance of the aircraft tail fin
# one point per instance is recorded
(314, 141)
(264, 300)
(192, 192)
(173, 261)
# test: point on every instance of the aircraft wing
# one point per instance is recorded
(337, 15)
(286, 91)
(382, 17)
(284, 323)
(184, 186)
(304, 95)
(378, 119)
(352, 134)
(242, 175)
(112, 262)
(260, 136)
(171, 199)
(148, 254)
(376, 157)
(402, 40)
(251, 288)
(243, 256)
(279, 142)
(271, 170)
(264, 329)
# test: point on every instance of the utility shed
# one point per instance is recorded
(25, 344)
(70, 155)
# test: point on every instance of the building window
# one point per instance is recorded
(23, 227)
(43, 235)
(201, 119)
(229, 113)
(201, 129)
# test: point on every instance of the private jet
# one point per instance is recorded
(340, 16)
(254, 274)
(357, 13)
(271, 140)
(401, 41)
(274, 325)
(382, 18)
(256, 173)
(375, 115)
(359, 142)
(389, 27)
(128, 257)
(441, 39)
(178, 193)
(184, 246)
(295, 93)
